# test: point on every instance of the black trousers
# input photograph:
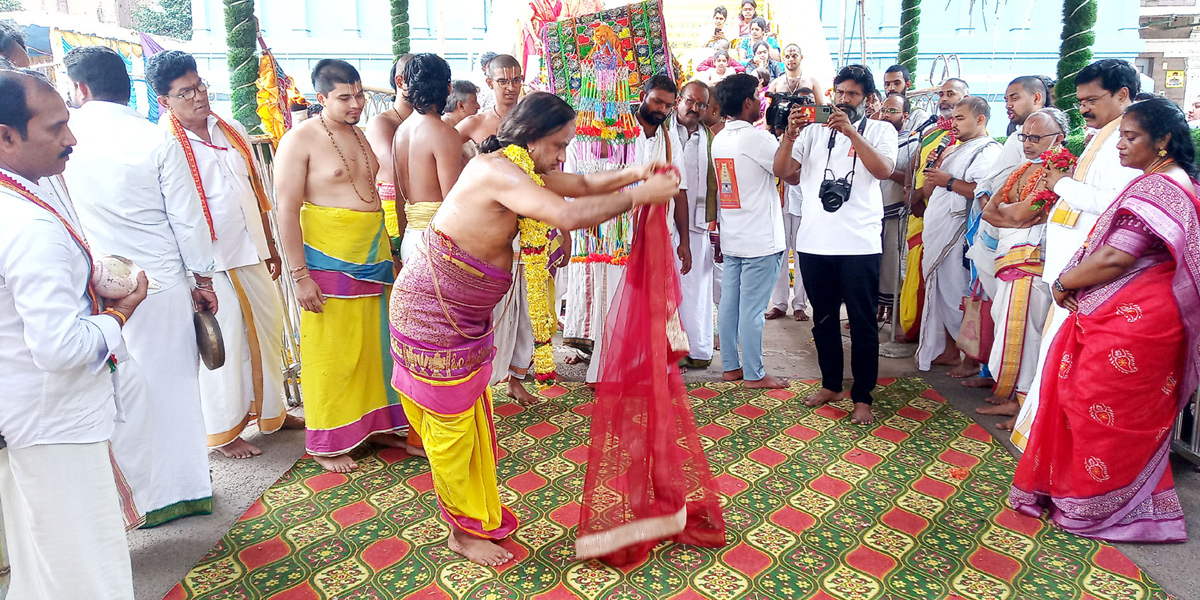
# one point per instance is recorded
(853, 280)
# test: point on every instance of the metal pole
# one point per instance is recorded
(862, 29)
(894, 348)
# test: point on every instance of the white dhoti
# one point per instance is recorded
(408, 245)
(249, 387)
(591, 289)
(513, 332)
(167, 439)
(63, 525)
(787, 277)
(696, 304)
(1054, 321)
(1019, 311)
(945, 287)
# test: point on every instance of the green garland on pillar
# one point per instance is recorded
(910, 18)
(1079, 17)
(241, 34)
(400, 30)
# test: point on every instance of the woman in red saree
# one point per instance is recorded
(647, 477)
(1126, 361)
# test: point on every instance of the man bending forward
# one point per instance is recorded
(441, 307)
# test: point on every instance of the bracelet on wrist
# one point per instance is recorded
(295, 270)
(120, 316)
(301, 278)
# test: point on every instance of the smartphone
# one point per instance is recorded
(816, 114)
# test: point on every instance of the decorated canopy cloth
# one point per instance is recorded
(647, 477)
(1117, 374)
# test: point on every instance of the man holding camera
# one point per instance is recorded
(751, 221)
(840, 237)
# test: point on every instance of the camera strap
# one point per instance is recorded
(829, 175)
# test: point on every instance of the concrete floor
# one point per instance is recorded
(162, 556)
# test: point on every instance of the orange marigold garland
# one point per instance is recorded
(535, 240)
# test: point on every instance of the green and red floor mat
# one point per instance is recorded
(912, 507)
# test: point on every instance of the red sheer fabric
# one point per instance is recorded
(647, 477)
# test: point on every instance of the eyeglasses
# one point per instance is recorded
(891, 111)
(1090, 102)
(191, 93)
(696, 105)
(1031, 137)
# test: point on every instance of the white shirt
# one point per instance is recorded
(241, 240)
(57, 387)
(1104, 180)
(135, 195)
(906, 145)
(695, 174)
(857, 227)
(751, 215)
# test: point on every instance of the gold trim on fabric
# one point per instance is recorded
(1065, 215)
(593, 545)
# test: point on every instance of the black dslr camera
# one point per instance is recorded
(781, 107)
(834, 192)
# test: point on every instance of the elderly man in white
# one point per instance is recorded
(62, 512)
(248, 388)
(1105, 89)
(135, 197)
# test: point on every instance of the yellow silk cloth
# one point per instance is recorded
(910, 294)
(387, 199)
(462, 460)
(420, 214)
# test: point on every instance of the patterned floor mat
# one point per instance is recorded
(816, 508)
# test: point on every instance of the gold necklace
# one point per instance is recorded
(1166, 162)
(346, 164)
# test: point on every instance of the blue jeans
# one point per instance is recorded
(745, 291)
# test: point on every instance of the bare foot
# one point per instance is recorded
(293, 422)
(997, 400)
(477, 550)
(968, 368)
(979, 382)
(1008, 425)
(949, 358)
(768, 382)
(774, 313)
(716, 343)
(337, 464)
(239, 448)
(862, 414)
(822, 396)
(733, 375)
(800, 315)
(390, 440)
(573, 358)
(1008, 409)
(516, 390)
(413, 450)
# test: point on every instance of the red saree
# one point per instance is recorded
(1117, 374)
(647, 476)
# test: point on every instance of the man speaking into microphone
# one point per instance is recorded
(840, 236)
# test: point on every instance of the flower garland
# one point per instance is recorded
(1059, 158)
(535, 240)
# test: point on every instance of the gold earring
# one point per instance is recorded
(1162, 153)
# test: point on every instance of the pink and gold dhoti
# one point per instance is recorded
(442, 343)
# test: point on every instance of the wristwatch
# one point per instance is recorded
(950, 184)
(1058, 287)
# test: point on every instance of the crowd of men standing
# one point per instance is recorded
(109, 413)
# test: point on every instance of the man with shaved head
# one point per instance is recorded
(950, 188)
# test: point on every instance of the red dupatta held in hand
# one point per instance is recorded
(647, 477)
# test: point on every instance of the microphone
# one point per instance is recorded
(930, 121)
(937, 153)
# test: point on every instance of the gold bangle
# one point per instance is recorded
(120, 316)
